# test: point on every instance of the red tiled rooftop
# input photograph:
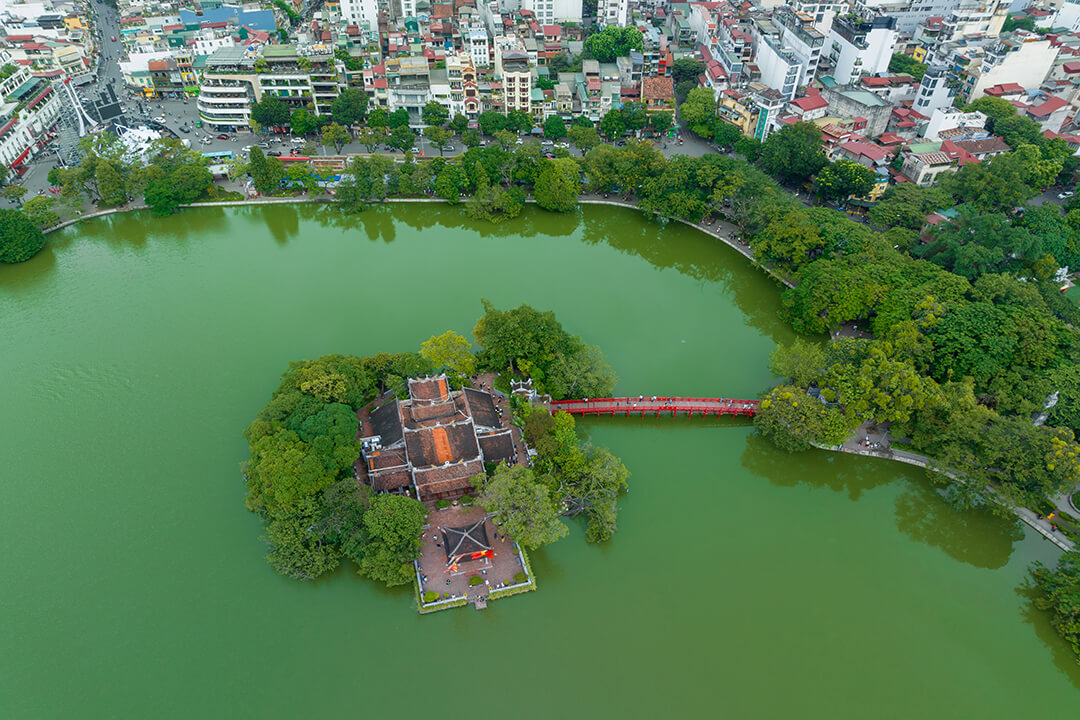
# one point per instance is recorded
(810, 102)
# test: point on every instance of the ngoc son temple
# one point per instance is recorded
(435, 440)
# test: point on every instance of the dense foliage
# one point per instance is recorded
(613, 42)
(1060, 588)
(300, 475)
(582, 478)
(533, 344)
(20, 239)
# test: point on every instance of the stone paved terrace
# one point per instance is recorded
(495, 571)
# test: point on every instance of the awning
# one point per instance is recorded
(18, 160)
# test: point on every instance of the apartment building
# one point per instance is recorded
(29, 108)
(861, 47)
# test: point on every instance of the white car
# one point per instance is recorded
(1066, 194)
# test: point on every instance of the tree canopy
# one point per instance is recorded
(613, 42)
(20, 239)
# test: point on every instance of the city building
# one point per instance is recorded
(861, 47)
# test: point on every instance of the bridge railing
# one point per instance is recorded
(652, 398)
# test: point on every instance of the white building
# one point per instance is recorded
(1068, 15)
(476, 43)
(550, 12)
(945, 119)
(613, 12)
(799, 37)
(822, 11)
(934, 91)
(908, 13)
(360, 11)
(28, 111)
(861, 48)
(780, 70)
(1021, 57)
(975, 17)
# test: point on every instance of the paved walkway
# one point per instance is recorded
(857, 446)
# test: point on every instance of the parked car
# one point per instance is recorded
(1066, 194)
(273, 153)
(264, 145)
(297, 141)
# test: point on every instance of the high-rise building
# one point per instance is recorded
(858, 48)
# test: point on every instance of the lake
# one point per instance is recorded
(743, 582)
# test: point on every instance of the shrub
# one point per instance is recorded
(442, 504)
(467, 499)
(520, 577)
(475, 580)
(431, 596)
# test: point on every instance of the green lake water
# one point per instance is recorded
(743, 582)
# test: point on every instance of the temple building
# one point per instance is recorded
(434, 441)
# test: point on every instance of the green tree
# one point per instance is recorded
(296, 549)
(20, 239)
(521, 505)
(802, 362)
(793, 420)
(505, 138)
(435, 114)
(397, 119)
(270, 112)
(437, 136)
(14, 193)
(471, 138)
(698, 112)
(554, 128)
(661, 121)
(266, 173)
(581, 373)
(459, 124)
(302, 122)
(558, 185)
(612, 124)
(994, 108)
(39, 210)
(613, 42)
(634, 115)
(378, 118)
(1060, 594)
(844, 178)
(491, 122)
(1018, 23)
(685, 69)
(110, 185)
(371, 138)
(349, 107)
(495, 203)
(794, 152)
(394, 525)
(583, 138)
(1017, 130)
(335, 136)
(402, 138)
(450, 351)
(907, 65)
(519, 121)
(726, 134)
(907, 205)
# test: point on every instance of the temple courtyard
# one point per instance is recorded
(460, 543)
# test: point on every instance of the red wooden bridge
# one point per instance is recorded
(653, 405)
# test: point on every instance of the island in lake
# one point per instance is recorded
(439, 468)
